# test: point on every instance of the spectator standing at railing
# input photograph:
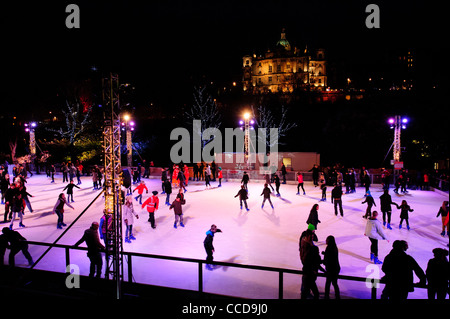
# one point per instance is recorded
(332, 267)
(438, 275)
(94, 246)
(399, 267)
(311, 261)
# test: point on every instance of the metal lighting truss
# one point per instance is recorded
(113, 181)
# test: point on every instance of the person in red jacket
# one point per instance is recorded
(140, 188)
(152, 204)
(220, 176)
(300, 183)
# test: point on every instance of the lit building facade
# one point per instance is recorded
(284, 69)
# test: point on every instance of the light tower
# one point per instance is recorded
(30, 127)
(397, 124)
(247, 125)
(128, 127)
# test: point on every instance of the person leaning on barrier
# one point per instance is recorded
(94, 246)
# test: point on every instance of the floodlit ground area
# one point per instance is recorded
(261, 236)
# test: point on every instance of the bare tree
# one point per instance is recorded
(205, 109)
(13, 147)
(265, 118)
(76, 122)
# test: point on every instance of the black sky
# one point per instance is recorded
(159, 46)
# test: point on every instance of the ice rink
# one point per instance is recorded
(265, 237)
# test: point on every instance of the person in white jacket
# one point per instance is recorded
(128, 213)
(374, 230)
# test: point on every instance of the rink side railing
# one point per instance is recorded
(373, 282)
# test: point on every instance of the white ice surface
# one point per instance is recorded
(263, 237)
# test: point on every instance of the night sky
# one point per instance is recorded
(161, 46)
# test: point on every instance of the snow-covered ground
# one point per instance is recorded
(263, 237)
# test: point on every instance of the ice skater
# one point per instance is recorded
(152, 204)
(140, 188)
(58, 209)
(266, 192)
(370, 202)
(168, 189)
(313, 217)
(336, 198)
(208, 244)
(277, 184)
(207, 176)
(16, 243)
(178, 211)
(323, 187)
(220, 176)
(70, 188)
(23, 190)
(16, 206)
(374, 231)
(404, 216)
(245, 180)
(443, 212)
(128, 217)
(243, 196)
(385, 206)
(300, 183)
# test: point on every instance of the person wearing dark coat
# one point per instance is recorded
(243, 196)
(163, 179)
(16, 243)
(70, 188)
(310, 258)
(178, 210)
(94, 246)
(385, 206)
(398, 268)
(313, 217)
(208, 244)
(370, 202)
(266, 192)
(332, 267)
(283, 172)
(438, 275)
(315, 175)
(245, 180)
(168, 190)
(336, 197)
(405, 208)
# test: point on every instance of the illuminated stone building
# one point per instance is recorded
(284, 69)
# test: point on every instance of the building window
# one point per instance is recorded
(270, 69)
(278, 67)
(270, 79)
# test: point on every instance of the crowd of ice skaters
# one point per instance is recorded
(397, 266)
